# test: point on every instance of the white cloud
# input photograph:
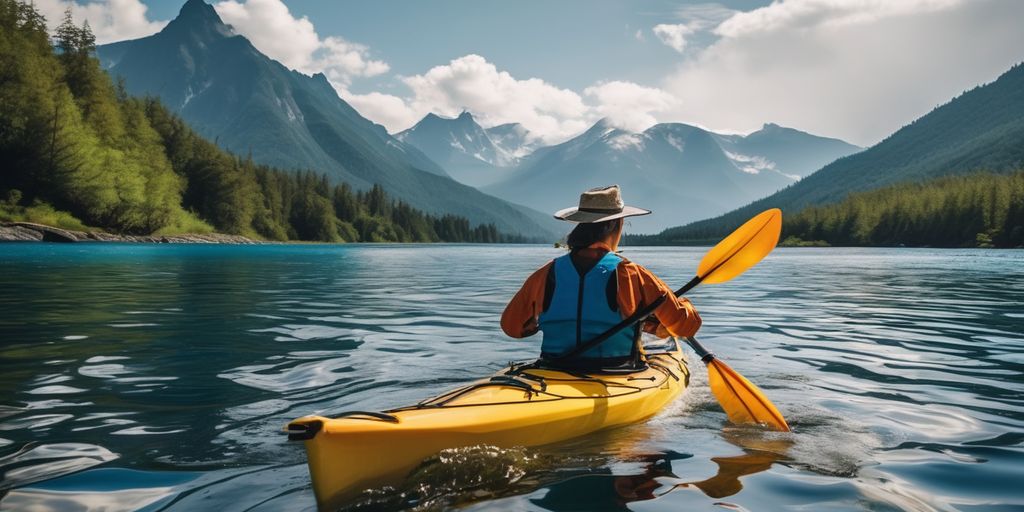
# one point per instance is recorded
(854, 69)
(673, 35)
(824, 14)
(386, 109)
(639, 35)
(110, 20)
(496, 97)
(628, 105)
(272, 28)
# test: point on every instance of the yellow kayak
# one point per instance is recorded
(522, 405)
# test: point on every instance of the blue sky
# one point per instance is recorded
(570, 43)
(852, 69)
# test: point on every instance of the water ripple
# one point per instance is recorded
(158, 377)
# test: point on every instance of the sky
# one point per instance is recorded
(851, 69)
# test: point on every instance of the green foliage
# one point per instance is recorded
(795, 241)
(976, 210)
(39, 213)
(68, 139)
(75, 146)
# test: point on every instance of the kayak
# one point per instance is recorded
(522, 405)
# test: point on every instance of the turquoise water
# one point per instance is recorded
(158, 377)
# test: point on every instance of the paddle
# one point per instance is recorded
(742, 401)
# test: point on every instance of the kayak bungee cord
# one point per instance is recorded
(443, 400)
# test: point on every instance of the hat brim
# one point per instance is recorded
(574, 214)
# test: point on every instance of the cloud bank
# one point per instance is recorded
(854, 69)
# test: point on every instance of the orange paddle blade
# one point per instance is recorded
(742, 401)
(746, 246)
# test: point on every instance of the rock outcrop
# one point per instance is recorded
(32, 232)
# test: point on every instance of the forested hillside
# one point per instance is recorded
(73, 141)
(977, 210)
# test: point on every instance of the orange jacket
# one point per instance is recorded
(637, 287)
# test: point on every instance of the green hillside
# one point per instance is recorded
(78, 149)
(981, 129)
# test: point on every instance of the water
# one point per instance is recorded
(158, 378)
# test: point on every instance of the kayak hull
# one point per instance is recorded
(515, 407)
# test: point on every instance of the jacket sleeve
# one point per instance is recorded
(638, 287)
(520, 317)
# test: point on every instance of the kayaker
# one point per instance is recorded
(576, 297)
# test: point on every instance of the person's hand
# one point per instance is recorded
(531, 327)
(653, 326)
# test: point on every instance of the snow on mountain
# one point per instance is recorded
(514, 139)
(680, 171)
(468, 152)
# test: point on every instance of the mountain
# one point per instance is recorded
(250, 104)
(679, 171)
(982, 129)
(796, 152)
(514, 139)
(459, 145)
(468, 152)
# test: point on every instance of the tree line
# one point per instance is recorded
(974, 210)
(75, 142)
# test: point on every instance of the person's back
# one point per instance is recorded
(580, 295)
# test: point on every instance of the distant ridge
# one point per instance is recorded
(982, 129)
(252, 105)
(679, 171)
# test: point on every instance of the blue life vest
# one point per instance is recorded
(580, 311)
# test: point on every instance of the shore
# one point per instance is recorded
(31, 232)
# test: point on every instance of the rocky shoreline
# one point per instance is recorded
(31, 232)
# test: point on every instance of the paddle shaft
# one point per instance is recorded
(703, 353)
(631, 320)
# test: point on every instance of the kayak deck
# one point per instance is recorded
(519, 406)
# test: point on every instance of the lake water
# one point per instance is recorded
(158, 377)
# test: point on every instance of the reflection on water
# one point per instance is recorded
(158, 378)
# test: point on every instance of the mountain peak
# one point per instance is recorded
(198, 9)
(602, 127)
(465, 116)
(197, 16)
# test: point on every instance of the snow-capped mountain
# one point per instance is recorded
(514, 139)
(793, 152)
(681, 172)
(468, 152)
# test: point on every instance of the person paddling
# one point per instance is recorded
(576, 297)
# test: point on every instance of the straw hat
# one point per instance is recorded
(598, 205)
